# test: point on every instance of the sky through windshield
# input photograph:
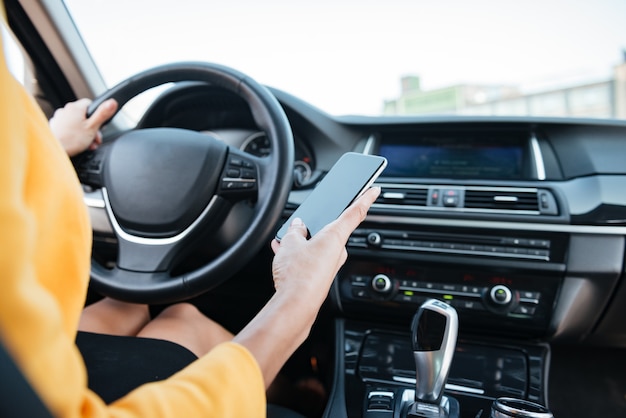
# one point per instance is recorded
(348, 57)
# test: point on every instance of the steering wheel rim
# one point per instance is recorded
(273, 185)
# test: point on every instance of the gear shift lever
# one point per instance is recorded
(433, 333)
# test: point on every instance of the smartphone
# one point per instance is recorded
(351, 176)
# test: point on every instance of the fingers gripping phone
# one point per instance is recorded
(351, 176)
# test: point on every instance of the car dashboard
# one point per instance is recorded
(518, 223)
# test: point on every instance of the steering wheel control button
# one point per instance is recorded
(248, 174)
(239, 178)
(88, 166)
(235, 162)
(501, 295)
(381, 283)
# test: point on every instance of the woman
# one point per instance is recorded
(45, 255)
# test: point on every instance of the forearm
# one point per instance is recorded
(276, 332)
(303, 271)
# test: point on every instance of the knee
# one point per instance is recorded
(183, 311)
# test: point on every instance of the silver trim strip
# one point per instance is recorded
(380, 393)
(392, 195)
(458, 186)
(151, 241)
(468, 252)
(369, 145)
(238, 180)
(449, 386)
(522, 226)
(460, 388)
(457, 210)
(93, 202)
(505, 198)
(538, 157)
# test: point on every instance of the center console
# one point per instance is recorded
(503, 283)
(505, 300)
(376, 376)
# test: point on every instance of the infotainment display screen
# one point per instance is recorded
(453, 157)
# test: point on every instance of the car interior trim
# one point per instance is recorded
(119, 231)
(449, 386)
(370, 145)
(538, 157)
(460, 223)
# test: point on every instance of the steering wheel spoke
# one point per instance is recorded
(156, 254)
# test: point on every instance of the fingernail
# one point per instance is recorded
(297, 222)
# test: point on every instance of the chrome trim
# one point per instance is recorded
(466, 252)
(392, 195)
(408, 395)
(92, 201)
(505, 198)
(461, 210)
(97, 213)
(458, 186)
(151, 241)
(538, 157)
(449, 386)
(466, 389)
(369, 145)
(238, 180)
(522, 226)
(380, 393)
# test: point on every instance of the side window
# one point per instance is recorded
(20, 65)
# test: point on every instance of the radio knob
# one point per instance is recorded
(381, 283)
(501, 295)
(374, 239)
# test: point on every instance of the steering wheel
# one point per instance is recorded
(165, 189)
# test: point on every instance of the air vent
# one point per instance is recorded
(468, 199)
(501, 200)
(403, 196)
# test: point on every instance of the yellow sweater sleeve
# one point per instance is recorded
(45, 247)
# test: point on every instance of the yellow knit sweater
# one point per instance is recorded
(45, 242)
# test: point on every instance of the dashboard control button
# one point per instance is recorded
(501, 295)
(374, 239)
(468, 304)
(381, 283)
(434, 197)
(451, 198)
(525, 310)
(360, 293)
(359, 280)
(529, 297)
(449, 287)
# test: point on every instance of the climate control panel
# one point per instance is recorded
(488, 299)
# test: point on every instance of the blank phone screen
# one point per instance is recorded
(350, 176)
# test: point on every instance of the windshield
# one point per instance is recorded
(393, 57)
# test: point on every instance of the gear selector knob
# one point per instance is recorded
(434, 333)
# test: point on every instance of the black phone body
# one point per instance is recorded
(351, 175)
